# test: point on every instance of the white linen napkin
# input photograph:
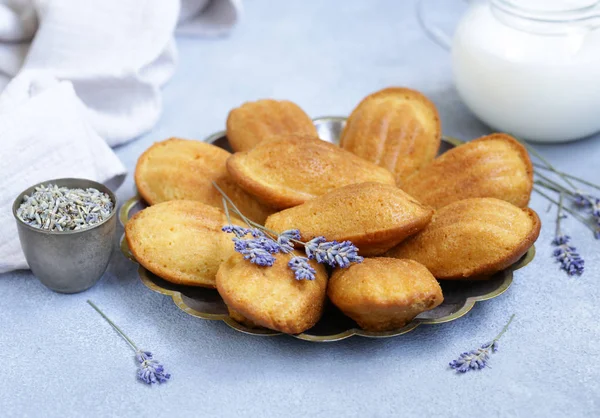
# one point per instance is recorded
(89, 79)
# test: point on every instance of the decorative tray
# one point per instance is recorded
(459, 296)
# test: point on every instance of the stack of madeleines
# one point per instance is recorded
(416, 217)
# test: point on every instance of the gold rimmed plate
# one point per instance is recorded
(459, 296)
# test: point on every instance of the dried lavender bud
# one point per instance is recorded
(150, 371)
(58, 209)
(254, 251)
(285, 240)
(568, 256)
(237, 230)
(302, 270)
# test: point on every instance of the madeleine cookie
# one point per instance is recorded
(472, 238)
(383, 294)
(374, 216)
(180, 241)
(396, 128)
(271, 297)
(253, 122)
(182, 169)
(288, 170)
(496, 165)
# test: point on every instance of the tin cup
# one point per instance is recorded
(68, 261)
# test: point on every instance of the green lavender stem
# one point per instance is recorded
(116, 328)
(547, 163)
(504, 329)
(557, 186)
(559, 215)
(569, 211)
(562, 173)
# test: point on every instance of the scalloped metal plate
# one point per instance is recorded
(459, 296)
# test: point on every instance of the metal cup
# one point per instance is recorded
(68, 261)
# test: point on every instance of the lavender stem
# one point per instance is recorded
(562, 173)
(504, 329)
(116, 328)
(559, 215)
(569, 211)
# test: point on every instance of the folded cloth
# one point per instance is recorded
(90, 79)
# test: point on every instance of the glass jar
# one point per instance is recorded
(531, 68)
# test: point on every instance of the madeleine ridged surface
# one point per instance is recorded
(181, 241)
(472, 238)
(396, 128)
(271, 297)
(383, 294)
(288, 170)
(374, 216)
(182, 169)
(253, 122)
(496, 165)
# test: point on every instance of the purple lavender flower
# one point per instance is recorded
(302, 270)
(285, 240)
(254, 251)
(268, 244)
(478, 359)
(583, 200)
(568, 256)
(150, 371)
(492, 344)
(334, 253)
(312, 246)
(237, 230)
(473, 360)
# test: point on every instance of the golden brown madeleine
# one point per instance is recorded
(180, 241)
(374, 216)
(496, 165)
(472, 238)
(271, 296)
(382, 294)
(182, 169)
(253, 122)
(396, 128)
(288, 170)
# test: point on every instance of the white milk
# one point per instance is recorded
(541, 87)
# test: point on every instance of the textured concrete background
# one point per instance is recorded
(60, 359)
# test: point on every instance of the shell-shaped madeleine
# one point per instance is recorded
(496, 165)
(253, 122)
(472, 238)
(181, 169)
(287, 171)
(180, 241)
(383, 294)
(271, 297)
(396, 128)
(374, 216)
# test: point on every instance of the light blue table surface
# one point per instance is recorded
(59, 358)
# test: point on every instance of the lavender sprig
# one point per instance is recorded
(478, 359)
(332, 252)
(149, 370)
(260, 249)
(566, 254)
